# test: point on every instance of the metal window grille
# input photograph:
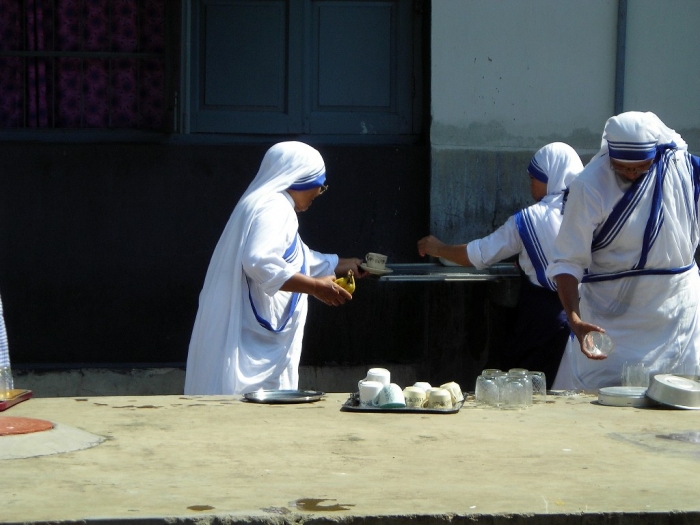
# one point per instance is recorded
(77, 64)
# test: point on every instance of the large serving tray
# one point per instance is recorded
(283, 396)
(439, 272)
(353, 405)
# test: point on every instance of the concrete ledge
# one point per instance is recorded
(210, 460)
(170, 381)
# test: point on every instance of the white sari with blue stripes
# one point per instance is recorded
(632, 247)
(248, 334)
(273, 320)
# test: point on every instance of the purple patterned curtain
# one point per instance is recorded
(82, 64)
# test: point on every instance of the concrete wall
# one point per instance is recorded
(104, 248)
(90, 382)
(509, 77)
(663, 64)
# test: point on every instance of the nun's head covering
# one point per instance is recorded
(556, 165)
(289, 165)
(634, 136)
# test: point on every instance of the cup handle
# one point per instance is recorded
(375, 401)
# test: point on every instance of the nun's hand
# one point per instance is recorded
(330, 293)
(430, 245)
(353, 264)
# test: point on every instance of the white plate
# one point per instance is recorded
(376, 271)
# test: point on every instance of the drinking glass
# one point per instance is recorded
(635, 374)
(516, 392)
(6, 382)
(539, 386)
(598, 344)
(486, 390)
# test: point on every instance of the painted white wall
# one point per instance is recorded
(509, 76)
(512, 73)
(663, 63)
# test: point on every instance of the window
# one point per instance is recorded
(348, 67)
(316, 67)
(76, 64)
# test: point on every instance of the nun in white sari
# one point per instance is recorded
(629, 236)
(541, 331)
(252, 309)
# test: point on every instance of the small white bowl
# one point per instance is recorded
(675, 391)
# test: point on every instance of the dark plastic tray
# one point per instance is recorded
(353, 405)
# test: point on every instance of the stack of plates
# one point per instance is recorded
(665, 389)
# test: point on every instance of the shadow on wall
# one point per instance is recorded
(104, 247)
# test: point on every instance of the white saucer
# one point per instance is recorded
(376, 271)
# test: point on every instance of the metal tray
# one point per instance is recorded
(283, 396)
(353, 405)
(16, 396)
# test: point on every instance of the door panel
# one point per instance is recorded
(362, 60)
(344, 67)
(245, 64)
(246, 72)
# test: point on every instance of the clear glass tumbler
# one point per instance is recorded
(634, 374)
(516, 392)
(6, 382)
(486, 391)
(539, 386)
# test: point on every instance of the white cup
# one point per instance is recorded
(455, 391)
(440, 398)
(427, 394)
(379, 374)
(423, 384)
(376, 260)
(390, 396)
(414, 396)
(368, 391)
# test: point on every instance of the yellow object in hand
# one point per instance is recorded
(347, 282)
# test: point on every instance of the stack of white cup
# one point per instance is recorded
(377, 390)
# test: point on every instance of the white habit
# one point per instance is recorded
(248, 334)
(632, 246)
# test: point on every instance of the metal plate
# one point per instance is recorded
(353, 405)
(675, 391)
(284, 396)
(624, 396)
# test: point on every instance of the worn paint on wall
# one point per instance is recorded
(474, 192)
(515, 74)
(508, 77)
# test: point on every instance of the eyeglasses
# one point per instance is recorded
(323, 189)
(631, 172)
